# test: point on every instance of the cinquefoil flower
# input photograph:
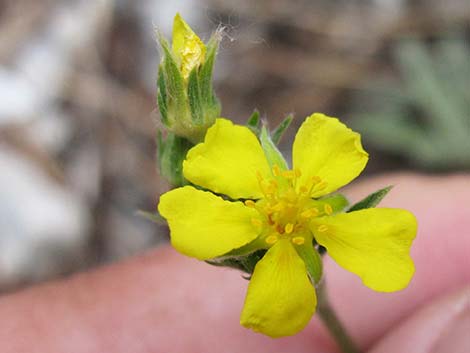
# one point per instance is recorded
(282, 212)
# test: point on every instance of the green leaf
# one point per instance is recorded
(194, 97)
(313, 261)
(273, 155)
(372, 200)
(253, 122)
(281, 128)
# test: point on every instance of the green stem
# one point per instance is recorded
(332, 322)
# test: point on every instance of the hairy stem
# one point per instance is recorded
(332, 322)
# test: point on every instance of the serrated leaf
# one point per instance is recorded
(273, 155)
(194, 98)
(372, 200)
(281, 128)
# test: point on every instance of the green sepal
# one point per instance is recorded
(273, 155)
(161, 96)
(312, 260)
(243, 263)
(281, 128)
(372, 200)
(171, 154)
(205, 73)
(173, 78)
(154, 217)
(253, 122)
(194, 98)
(338, 202)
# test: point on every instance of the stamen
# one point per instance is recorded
(288, 174)
(270, 220)
(297, 172)
(316, 179)
(289, 228)
(291, 195)
(322, 185)
(298, 240)
(256, 222)
(328, 209)
(323, 228)
(250, 203)
(276, 170)
(280, 229)
(312, 212)
(271, 239)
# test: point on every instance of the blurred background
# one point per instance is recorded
(78, 112)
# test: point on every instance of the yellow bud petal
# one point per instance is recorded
(187, 46)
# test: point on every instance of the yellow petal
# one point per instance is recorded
(280, 299)
(205, 226)
(228, 161)
(187, 46)
(373, 243)
(325, 149)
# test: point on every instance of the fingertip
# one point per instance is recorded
(427, 330)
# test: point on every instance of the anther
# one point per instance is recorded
(323, 228)
(273, 185)
(271, 239)
(256, 222)
(316, 179)
(276, 170)
(288, 174)
(312, 212)
(250, 203)
(289, 228)
(322, 185)
(328, 209)
(298, 240)
(297, 172)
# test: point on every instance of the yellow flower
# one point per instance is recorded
(187, 47)
(282, 213)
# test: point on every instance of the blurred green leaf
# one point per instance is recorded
(372, 200)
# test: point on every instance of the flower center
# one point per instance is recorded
(287, 208)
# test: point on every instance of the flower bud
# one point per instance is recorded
(186, 100)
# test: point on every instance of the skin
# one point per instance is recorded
(164, 302)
